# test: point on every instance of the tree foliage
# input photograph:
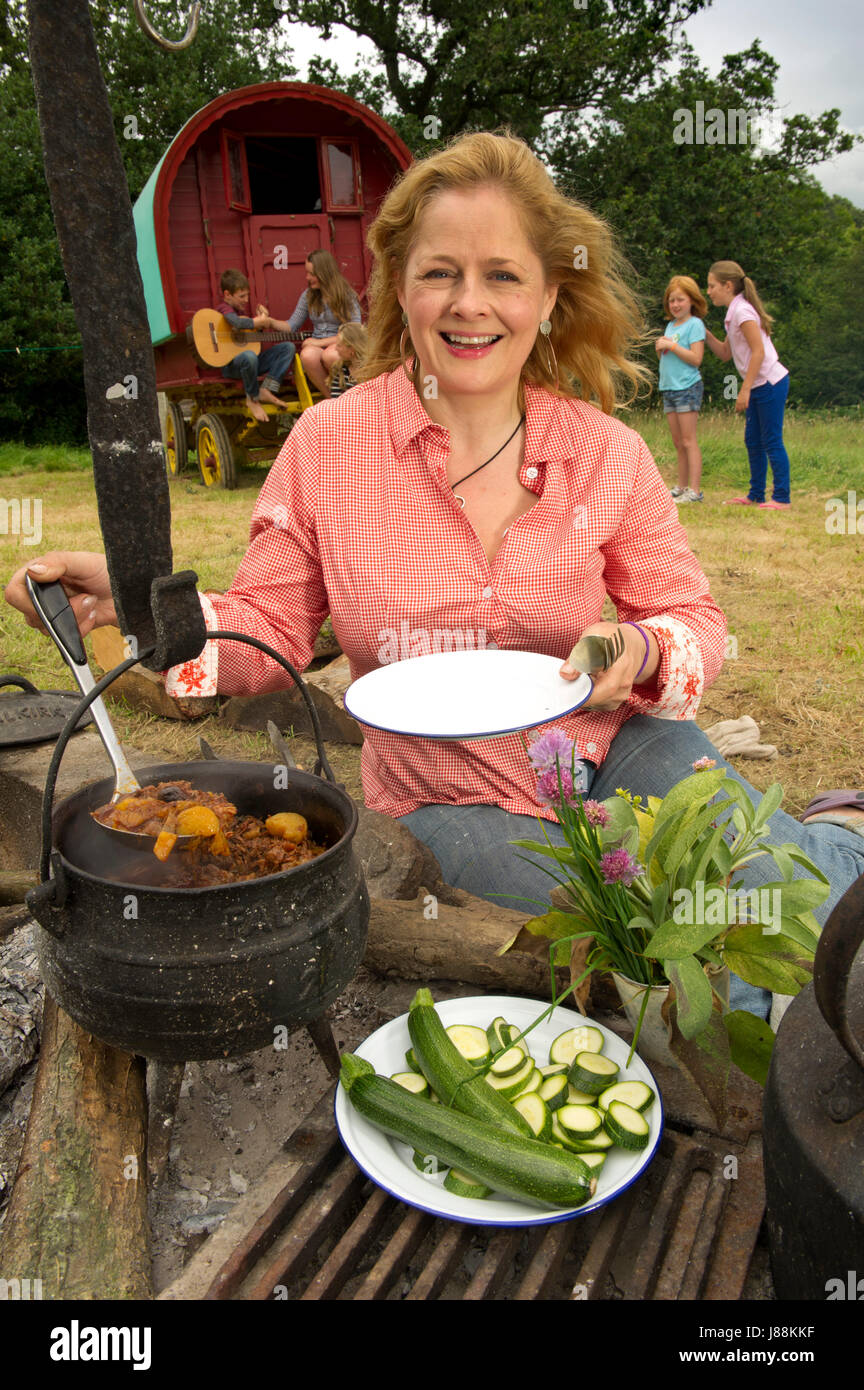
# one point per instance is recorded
(677, 207)
(590, 85)
(159, 91)
(496, 63)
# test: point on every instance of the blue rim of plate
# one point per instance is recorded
(466, 738)
(540, 1216)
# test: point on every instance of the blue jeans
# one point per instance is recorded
(647, 757)
(763, 436)
(272, 364)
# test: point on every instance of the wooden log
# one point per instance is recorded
(426, 939)
(77, 1217)
(15, 884)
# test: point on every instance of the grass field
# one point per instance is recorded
(792, 589)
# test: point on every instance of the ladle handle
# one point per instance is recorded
(52, 605)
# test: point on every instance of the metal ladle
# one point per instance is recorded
(52, 605)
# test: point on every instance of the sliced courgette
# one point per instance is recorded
(593, 1161)
(412, 1082)
(634, 1093)
(575, 1040)
(560, 1135)
(592, 1072)
(471, 1042)
(464, 1186)
(555, 1069)
(579, 1097)
(553, 1089)
(625, 1126)
(411, 1062)
(508, 1063)
(512, 1085)
(532, 1084)
(495, 1033)
(580, 1121)
(597, 1143)
(512, 1036)
(536, 1112)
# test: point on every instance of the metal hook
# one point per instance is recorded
(191, 27)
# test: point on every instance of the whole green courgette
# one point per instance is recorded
(451, 1076)
(526, 1169)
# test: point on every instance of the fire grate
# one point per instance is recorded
(686, 1230)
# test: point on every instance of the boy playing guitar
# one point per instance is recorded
(273, 361)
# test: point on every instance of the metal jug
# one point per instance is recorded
(813, 1126)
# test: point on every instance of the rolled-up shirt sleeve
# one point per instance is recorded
(278, 594)
(654, 579)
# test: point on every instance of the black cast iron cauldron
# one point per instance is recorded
(813, 1125)
(185, 974)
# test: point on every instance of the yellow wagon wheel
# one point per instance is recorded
(215, 453)
(174, 440)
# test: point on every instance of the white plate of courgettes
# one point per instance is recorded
(612, 1120)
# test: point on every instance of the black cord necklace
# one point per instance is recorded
(461, 500)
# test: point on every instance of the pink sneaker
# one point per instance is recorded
(740, 502)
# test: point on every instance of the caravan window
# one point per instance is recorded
(342, 171)
(283, 174)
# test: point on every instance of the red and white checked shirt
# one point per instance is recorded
(357, 519)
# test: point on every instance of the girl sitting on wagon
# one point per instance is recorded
(328, 301)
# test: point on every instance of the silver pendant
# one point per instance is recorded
(460, 500)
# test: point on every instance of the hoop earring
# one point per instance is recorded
(402, 355)
(551, 359)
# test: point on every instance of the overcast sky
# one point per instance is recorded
(819, 45)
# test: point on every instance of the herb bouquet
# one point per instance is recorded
(649, 887)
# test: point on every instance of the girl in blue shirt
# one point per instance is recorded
(328, 301)
(680, 350)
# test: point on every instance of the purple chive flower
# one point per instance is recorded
(617, 866)
(702, 764)
(548, 793)
(597, 813)
(545, 748)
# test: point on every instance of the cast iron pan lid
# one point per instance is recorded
(36, 716)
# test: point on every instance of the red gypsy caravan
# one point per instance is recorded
(255, 181)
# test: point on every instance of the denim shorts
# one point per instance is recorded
(680, 402)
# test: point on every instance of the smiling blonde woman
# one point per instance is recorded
(477, 483)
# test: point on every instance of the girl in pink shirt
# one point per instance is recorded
(765, 383)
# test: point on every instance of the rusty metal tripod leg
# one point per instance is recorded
(321, 1034)
(164, 1080)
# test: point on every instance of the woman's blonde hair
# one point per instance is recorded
(596, 319)
(730, 271)
(356, 338)
(335, 291)
(688, 286)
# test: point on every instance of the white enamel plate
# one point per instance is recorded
(469, 694)
(389, 1163)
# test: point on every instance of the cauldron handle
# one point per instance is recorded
(21, 681)
(839, 943)
(322, 764)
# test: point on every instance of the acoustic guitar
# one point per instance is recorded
(217, 343)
